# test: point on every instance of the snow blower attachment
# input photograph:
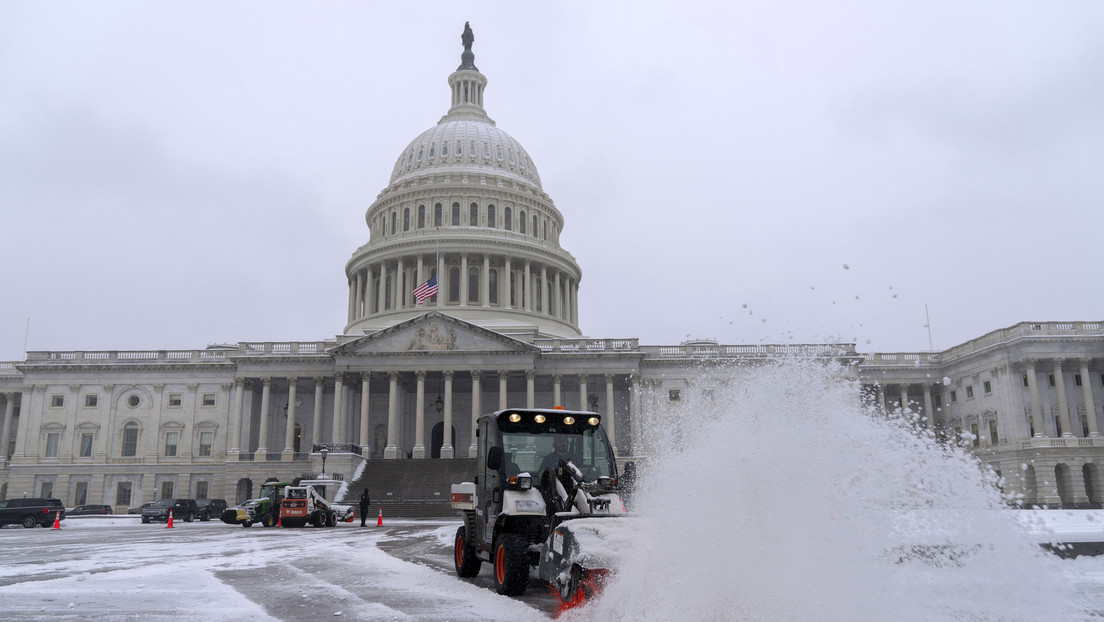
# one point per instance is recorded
(543, 495)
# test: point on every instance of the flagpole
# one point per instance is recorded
(438, 267)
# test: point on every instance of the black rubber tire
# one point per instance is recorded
(331, 519)
(569, 589)
(29, 522)
(247, 524)
(145, 519)
(318, 519)
(188, 518)
(511, 565)
(269, 520)
(467, 564)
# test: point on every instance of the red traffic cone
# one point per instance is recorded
(379, 521)
(57, 520)
(279, 519)
(169, 525)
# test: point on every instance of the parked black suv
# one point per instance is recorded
(182, 509)
(84, 510)
(209, 508)
(31, 512)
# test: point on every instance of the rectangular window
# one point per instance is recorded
(954, 397)
(1084, 426)
(122, 494)
(206, 439)
(1058, 426)
(46, 491)
(208, 400)
(993, 432)
(673, 395)
(171, 439)
(91, 401)
(86, 445)
(1025, 382)
(57, 401)
(80, 493)
(974, 433)
(166, 490)
(130, 441)
(201, 490)
(175, 400)
(1077, 379)
(1051, 379)
(52, 444)
(937, 401)
(987, 387)
(970, 392)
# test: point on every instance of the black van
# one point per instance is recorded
(31, 512)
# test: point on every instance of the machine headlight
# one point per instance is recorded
(540, 418)
(519, 482)
(514, 418)
(593, 421)
(569, 420)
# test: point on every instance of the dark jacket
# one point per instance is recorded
(365, 500)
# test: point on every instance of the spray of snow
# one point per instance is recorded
(783, 497)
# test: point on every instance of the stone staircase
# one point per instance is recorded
(411, 488)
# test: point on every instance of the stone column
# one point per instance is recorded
(544, 291)
(421, 278)
(316, 425)
(447, 450)
(233, 424)
(365, 428)
(634, 412)
(392, 450)
(477, 393)
(1063, 403)
(400, 291)
(9, 414)
(367, 299)
(245, 417)
(338, 422)
(352, 299)
(262, 438)
(1090, 405)
(1077, 482)
(583, 392)
(359, 295)
(904, 399)
(419, 417)
(289, 432)
(502, 376)
(509, 289)
(527, 283)
(381, 301)
(611, 425)
(556, 378)
(929, 414)
(1036, 403)
(21, 432)
(530, 388)
(463, 279)
(558, 297)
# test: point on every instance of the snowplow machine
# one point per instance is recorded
(545, 495)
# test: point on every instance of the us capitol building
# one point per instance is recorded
(406, 381)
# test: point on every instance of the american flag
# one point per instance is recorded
(426, 290)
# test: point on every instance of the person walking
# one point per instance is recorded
(365, 501)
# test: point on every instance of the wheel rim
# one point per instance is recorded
(459, 550)
(500, 564)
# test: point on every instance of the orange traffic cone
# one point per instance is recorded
(57, 520)
(169, 525)
(379, 521)
(279, 519)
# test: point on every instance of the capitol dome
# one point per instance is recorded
(465, 208)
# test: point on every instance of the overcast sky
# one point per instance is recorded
(174, 175)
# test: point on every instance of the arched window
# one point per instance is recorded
(455, 214)
(406, 219)
(432, 151)
(130, 440)
(491, 216)
(471, 148)
(419, 155)
(521, 222)
(473, 215)
(444, 149)
(454, 285)
(492, 284)
(421, 217)
(394, 222)
(486, 151)
(473, 284)
(506, 224)
(534, 226)
(437, 209)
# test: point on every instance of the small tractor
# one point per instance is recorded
(303, 504)
(544, 494)
(265, 508)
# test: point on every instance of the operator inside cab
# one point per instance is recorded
(561, 449)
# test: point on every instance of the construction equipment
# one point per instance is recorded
(265, 508)
(304, 504)
(545, 494)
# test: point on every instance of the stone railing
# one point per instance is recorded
(699, 351)
(283, 347)
(902, 359)
(336, 448)
(587, 345)
(1022, 330)
(131, 356)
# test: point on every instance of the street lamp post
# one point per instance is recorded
(324, 453)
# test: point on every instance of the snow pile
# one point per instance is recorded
(783, 498)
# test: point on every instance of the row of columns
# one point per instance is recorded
(5, 427)
(559, 292)
(240, 426)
